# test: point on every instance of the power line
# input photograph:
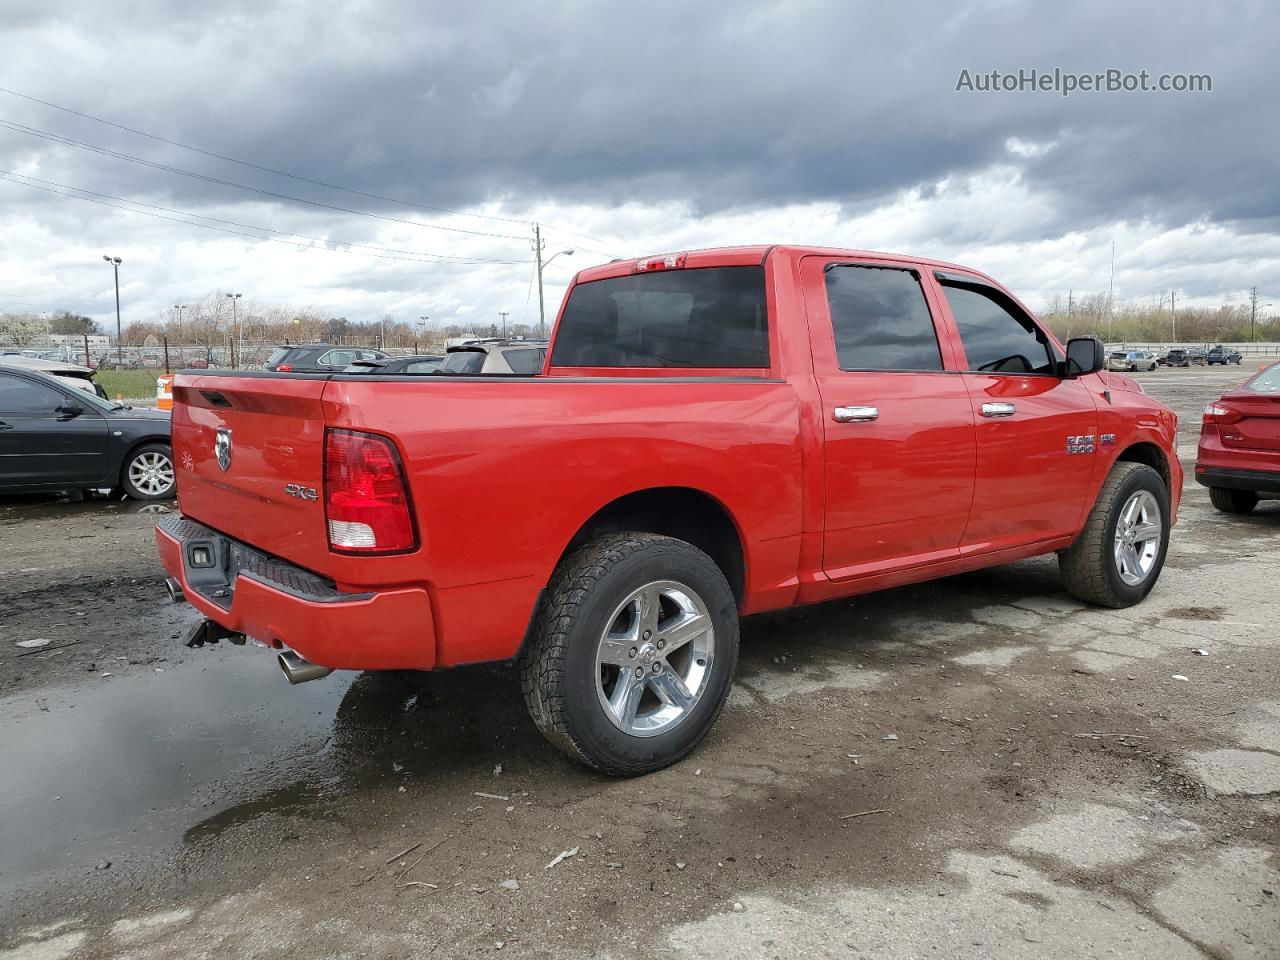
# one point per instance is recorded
(252, 226)
(310, 243)
(94, 148)
(295, 176)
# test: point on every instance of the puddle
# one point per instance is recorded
(133, 763)
(21, 508)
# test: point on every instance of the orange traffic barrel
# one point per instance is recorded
(164, 391)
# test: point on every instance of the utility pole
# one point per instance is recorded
(1253, 314)
(538, 246)
(504, 314)
(115, 263)
(1070, 310)
(1111, 290)
(1173, 313)
(537, 253)
(235, 330)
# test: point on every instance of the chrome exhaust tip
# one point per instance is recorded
(174, 589)
(296, 670)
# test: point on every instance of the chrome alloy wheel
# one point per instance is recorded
(653, 662)
(1138, 537)
(151, 474)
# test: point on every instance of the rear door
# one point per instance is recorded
(1036, 432)
(249, 452)
(41, 443)
(898, 424)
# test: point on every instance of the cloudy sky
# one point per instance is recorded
(625, 129)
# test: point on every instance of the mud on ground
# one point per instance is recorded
(978, 767)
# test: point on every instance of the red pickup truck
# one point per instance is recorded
(714, 434)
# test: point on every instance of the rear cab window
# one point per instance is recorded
(699, 317)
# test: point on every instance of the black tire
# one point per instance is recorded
(559, 671)
(145, 454)
(1233, 501)
(1088, 567)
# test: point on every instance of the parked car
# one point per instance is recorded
(54, 436)
(1131, 360)
(1222, 355)
(1239, 454)
(714, 434)
(423, 363)
(1197, 356)
(1177, 357)
(79, 377)
(317, 358)
(523, 357)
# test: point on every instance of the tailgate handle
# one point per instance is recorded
(998, 409)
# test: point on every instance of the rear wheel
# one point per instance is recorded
(1233, 501)
(147, 473)
(1118, 556)
(634, 653)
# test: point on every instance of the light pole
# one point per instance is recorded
(504, 314)
(115, 265)
(422, 330)
(235, 330)
(538, 244)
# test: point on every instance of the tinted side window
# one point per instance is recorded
(463, 361)
(19, 396)
(277, 355)
(525, 361)
(708, 317)
(422, 366)
(881, 320)
(996, 339)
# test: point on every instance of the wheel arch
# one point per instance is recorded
(684, 513)
(1144, 451)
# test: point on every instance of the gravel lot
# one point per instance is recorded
(978, 767)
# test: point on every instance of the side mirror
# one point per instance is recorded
(69, 411)
(1084, 355)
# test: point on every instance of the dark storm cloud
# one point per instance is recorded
(720, 105)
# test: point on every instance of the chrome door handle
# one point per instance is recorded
(855, 414)
(998, 409)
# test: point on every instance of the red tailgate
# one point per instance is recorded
(267, 489)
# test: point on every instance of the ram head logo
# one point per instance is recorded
(222, 447)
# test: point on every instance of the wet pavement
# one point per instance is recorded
(1048, 789)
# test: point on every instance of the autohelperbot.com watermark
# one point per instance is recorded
(1066, 82)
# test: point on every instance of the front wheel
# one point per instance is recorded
(1233, 501)
(147, 473)
(633, 654)
(1118, 556)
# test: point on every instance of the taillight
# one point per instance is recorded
(1218, 413)
(365, 500)
(284, 368)
(672, 261)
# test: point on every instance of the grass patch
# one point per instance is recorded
(130, 383)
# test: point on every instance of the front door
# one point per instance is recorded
(898, 424)
(41, 443)
(1037, 433)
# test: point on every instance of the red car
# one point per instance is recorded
(1239, 455)
(713, 434)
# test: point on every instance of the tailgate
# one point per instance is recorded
(1259, 428)
(249, 454)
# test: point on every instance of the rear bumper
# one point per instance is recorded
(281, 604)
(1258, 481)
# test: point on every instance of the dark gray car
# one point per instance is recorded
(318, 358)
(56, 437)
